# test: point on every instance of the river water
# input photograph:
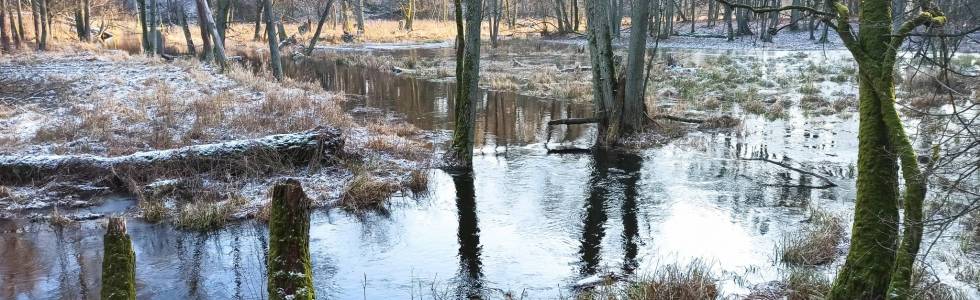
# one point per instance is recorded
(524, 222)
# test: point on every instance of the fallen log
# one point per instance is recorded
(572, 121)
(258, 155)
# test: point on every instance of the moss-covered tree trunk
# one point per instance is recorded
(118, 262)
(877, 266)
(290, 272)
(467, 83)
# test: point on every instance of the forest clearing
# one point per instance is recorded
(597, 149)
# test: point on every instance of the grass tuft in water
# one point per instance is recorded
(694, 281)
(816, 244)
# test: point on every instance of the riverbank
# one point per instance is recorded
(109, 103)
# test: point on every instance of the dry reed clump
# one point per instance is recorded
(57, 220)
(5, 192)
(796, 284)
(366, 192)
(418, 182)
(205, 215)
(816, 244)
(694, 281)
(754, 107)
(402, 129)
(926, 285)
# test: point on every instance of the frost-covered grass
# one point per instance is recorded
(109, 103)
(817, 243)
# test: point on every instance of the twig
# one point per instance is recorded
(829, 183)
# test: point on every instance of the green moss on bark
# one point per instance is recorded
(290, 271)
(118, 262)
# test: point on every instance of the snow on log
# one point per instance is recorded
(239, 156)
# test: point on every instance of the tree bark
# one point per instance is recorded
(467, 84)
(42, 43)
(874, 269)
(359, 15)
(4, 39)
(207, 52)
(319, 27)
(275, 62)
(218, 46)
(258, 21)
(118, 262)
(289, 266)
(187, 31)
(603, 72)
(634, 106)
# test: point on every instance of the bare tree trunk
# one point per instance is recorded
(560, 16)
(42, 43)
(4, 39)
(730, 32)
(319, 27)
(359, 15)
(207, 53)
(275, 62)
(634, 106)
(258, 22)
(20, 22)
(494, 22)
(219, 49)
(409, 15)
(603, 72)
(187, 31)
(224, 8)
(467, 84)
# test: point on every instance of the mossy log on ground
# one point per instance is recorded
(290, 272)
(118, 262)
(239, 156)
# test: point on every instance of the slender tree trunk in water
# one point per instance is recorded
(258, 22)
(874, 269)
(187, 31)
(206, 50)
(603, 72)
(319, 27)
(290, 270)
(359, 14)
(217, 45)
(118, 262)
(275, 62)
(467, 83)
(634, 106)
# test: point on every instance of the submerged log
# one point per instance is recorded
(118, 262)
(290, 272)
(234, 157)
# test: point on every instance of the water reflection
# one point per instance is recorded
(470, 266)
(613, 179)
(504, 119)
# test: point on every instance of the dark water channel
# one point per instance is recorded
(525, 221)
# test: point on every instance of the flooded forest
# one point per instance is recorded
(490, 149)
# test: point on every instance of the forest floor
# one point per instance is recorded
(109, 103)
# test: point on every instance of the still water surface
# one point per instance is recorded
(525, 221)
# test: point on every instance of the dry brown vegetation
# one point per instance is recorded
(693, 281)
(816, 244)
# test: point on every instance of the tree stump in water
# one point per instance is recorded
(118, 262)
(290, 272)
